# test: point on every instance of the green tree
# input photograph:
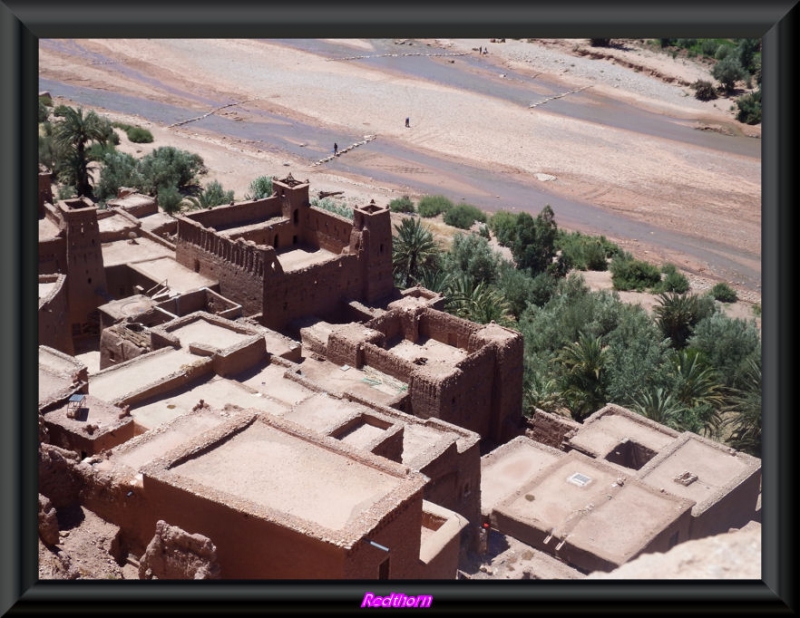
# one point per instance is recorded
(169, 198)
(534, 245)
(472, 255)
(583, 380)
(504, 225)
(657, 404)
(73, 134)
(728, 71)
(727, 343)
(463, 216)
(212, 195)
(119, 170)
(260, 188)
(744, 420)
(413, 252)
(169, 166)
(678, 314)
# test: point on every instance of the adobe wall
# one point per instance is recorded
(729, 508)
(118, 344)
(54, 314)
(550, 429)
(57, 479)
(374, 249)
(390, 325)
(127, 223)
(440, 551)
(388, 363)
(238, 215)
(141, 206)
(52, 255)
(239, 267)
(345, 344)
(315, 290)
(247, 547)
(447, 328)
(400, 531)
(325, 230)
(45, 189)
(235, 360)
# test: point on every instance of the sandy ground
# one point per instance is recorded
(670, 184)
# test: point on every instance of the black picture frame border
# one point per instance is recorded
(23, 23)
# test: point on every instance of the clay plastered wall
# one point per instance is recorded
(277, 234)
(173, 381)
(389, 324)
(550, 429)
(471, 395)
(52, 256)
(388, 363)
(345, 344)
(239, 358)
(731, 510)
(118, 344)
(239, 267)
(248, 547)
(456, 481)
(400, 531)
(326, 230)
(447, 328)
(240, 214)
(316, 290)
(54, 314)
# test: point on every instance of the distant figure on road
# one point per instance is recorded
(335, 149)
(408, 122)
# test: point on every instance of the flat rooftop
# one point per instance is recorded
(115, 222)
(601, 434)
(116, 382)
(47, 229)
(178, 278)
(269, 379)
(298, 258)
(51, 384)
(58, 363)
(123, 252)
(288, 474)
(156, 220)
(322, 413)
(216, 392)
(154, 444)
(129, 307)
(203, 331)
(431, 353)
(510, 466)
(717, 469)
(367, 382)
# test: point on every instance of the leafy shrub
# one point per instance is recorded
(709, 47)
(119, 170)
(43, 111)
(724, 293)
(722, 52)
(463, 216)
(139, 135)
(484, 232)
(673, 280)
(757, 310)
(66, 192)
(728, 71)
(628, 273)
(583, 252)
(331, 206)
(402, 204)
(169, 166)
(212, 195)
(704, 90)
(169, 198)
(60, 111)
(433, 205)
(46, 100)
(749, 108)
(503, 224)
(260, 188)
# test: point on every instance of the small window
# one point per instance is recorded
(383, 570)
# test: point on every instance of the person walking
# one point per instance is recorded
(335, 149)
(408, 122)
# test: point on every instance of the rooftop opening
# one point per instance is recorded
(630, 454)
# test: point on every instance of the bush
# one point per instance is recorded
(749, 108)
(704, 91)
(260, 188)
(484, 232)
(724, 293)
(331, 206)
(60, 111)
(402, 204)
(433, 205)
(463, 216)
(46, 101)
(628, 273)
(673, 281)
(212, 195)
(119, 170)
(43, 111)
(709, 47)
(139, 135)
(504, 225)
(169, 198)
(169, 166)
(728, 71)
(583, 252)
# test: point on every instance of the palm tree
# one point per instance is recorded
(73, 133)
(413, 252)
(660, 406)
(583, 381)
(745, 420)
(678, 314)
(698, 388)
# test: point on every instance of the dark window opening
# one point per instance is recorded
(380, 249)
(294, 239)
(196, 265)
(275, 242)
(630, 454)
(383, 570)
(296, 216)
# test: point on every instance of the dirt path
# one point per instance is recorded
(698, 192)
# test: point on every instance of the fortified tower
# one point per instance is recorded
(86, 277)
(374, 225)
(293, 195)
